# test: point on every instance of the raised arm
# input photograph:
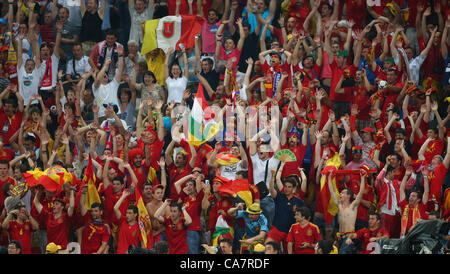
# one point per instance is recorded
(362, 186)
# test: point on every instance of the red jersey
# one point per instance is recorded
(361, 99)
(111, 199)
(176, 174)
(435, 179)
(299, 235)
(2, 196)
(93, 236)
(155, 151)
(21, 233)
(128, 235)
(421, 210)
(194, 209)
(7, 154)
(201, 160)
(366, 234)
(57, 229)
(291, 168)
(273, 74)
(337, 73)
(215, 206)
(434, 148)
(176, 235)
(9, 125)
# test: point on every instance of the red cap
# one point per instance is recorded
(368, 130)
(4, 48)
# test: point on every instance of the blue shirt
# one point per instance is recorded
(285, 211)
(253, 229)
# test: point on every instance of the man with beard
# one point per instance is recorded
(182, 166)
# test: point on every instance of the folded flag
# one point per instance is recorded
(170, 31)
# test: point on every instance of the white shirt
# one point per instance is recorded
(175, 88)
(106, 94)
(113, 121)
(385, 208)
(136, 21)
(229, 171)
(28, 83)
(259, 168)
(81, 66)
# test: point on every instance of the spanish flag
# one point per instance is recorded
(330, 208)
(226, 159)
(51, 179)
(238, 189)
(92, 195)
(171, 31)
(144, 222)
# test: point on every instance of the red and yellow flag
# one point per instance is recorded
(329, 207)
(238, 188)
(144, 222)
(51, 179)
(92, 195)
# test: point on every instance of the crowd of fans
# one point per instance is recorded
(367, 81)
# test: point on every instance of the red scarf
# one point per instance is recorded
(47, 80)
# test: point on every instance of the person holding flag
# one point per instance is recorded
(347, 209)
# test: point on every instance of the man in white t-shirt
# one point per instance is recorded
(81, 66)
(229, 171)
(106, 93)
(262, 164)
(29, 73)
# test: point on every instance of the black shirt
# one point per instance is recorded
(91, 28)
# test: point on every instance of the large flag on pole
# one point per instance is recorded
(92, 195)
(202, 126)
(170, 31)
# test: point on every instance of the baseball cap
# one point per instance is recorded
(52, 248)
